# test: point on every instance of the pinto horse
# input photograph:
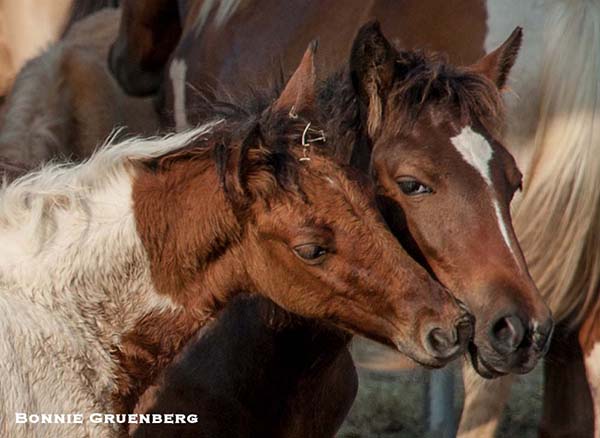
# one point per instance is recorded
(110, 266)
(429, 131)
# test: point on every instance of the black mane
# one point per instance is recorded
(253, 142)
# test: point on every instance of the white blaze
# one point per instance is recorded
(177, 74)
(476, 151)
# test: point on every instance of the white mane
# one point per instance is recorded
(31, 199)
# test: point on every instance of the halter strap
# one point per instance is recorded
(307, 140)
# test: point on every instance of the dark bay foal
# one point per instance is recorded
(257, 371)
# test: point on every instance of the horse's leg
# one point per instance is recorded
(592, 369)
(149, 32)
(589, 341)
(567, 402)
(484, 403)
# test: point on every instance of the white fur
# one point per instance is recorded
(476, 151)
(74, 277)
(177, 74)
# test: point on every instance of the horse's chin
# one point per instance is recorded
(480, 366)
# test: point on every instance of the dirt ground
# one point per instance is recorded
(391, 400)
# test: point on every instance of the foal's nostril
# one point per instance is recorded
(507, 334)
(442, 344)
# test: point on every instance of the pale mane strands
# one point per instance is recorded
(218, 11)
(31, 199)
(558, 221)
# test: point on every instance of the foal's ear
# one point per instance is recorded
(372, 69)
(497, 64)
(300, 91)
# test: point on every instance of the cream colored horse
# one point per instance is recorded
(65, 103)
(26, 28)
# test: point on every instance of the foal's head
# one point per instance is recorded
(275, 219)
(445, 183)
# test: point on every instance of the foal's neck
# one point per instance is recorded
(192, 239)
(191, 234)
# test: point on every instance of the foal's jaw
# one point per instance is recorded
(381, 293)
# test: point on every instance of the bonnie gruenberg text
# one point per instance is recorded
(22, 418)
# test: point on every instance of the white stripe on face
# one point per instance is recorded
(476, 151)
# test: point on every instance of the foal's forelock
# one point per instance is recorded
(425, 79)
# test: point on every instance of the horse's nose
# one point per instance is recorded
(542, 335)
(507, 334)
(445, 344)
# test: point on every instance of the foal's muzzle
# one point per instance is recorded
(447, 344)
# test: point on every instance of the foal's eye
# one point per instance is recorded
(412, 187)
(310, 252)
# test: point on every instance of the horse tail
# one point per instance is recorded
(558, 220)
(82, 8)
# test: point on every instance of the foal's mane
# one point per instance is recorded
(255, 151)
(32, 198)
(422, 80)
